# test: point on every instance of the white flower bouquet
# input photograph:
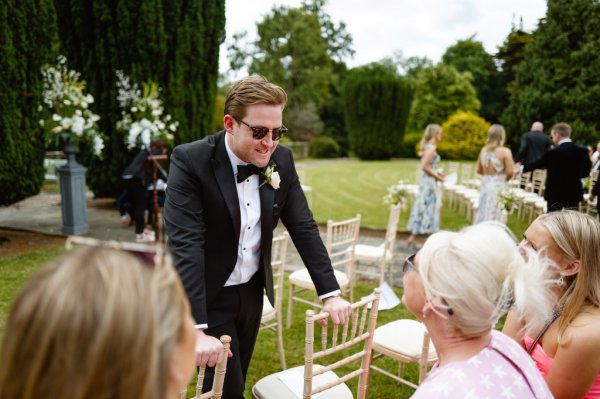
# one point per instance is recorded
(142, 115)
(68, 106)
(508, 200)
(397, 193)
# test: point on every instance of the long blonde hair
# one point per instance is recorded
(480, 274)
(431, 131)
(98, 323)
(496, 137)
(577, 235)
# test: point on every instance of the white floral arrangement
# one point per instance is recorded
(68, 105)
(272, 177)
(508, 200)
(142, 115)
(397, 193)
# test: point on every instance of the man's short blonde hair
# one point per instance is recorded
(254, 89)
(562, 129)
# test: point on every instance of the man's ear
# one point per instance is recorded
(228, 123)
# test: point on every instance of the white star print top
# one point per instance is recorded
(501, 370)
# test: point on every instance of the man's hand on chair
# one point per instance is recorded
(338, 309)
(209, 350)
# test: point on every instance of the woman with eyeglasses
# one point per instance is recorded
(567, 348)
(98, 323)
(425, 214)
(459, 284)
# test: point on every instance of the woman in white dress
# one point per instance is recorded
(495, 163)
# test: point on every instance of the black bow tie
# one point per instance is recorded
(245, 171)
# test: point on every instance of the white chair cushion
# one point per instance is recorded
(268, 311)
(302, 279)
(368, 252)
(403, 336)
(289, 384)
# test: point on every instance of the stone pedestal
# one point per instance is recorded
(72, 193)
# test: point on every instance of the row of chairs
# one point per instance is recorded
(405, 341)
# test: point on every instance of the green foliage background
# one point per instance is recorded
(27, 41)
(174, 43)
(376, 106)
(464, 134)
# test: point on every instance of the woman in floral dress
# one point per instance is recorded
(496, 164)
(425, 215)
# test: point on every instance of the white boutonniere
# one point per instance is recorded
(272, 177)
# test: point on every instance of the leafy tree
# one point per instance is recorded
(558, 80)
(376, 104)
(173, 43)
(27, 41)
(509, 56)
(470, 55)
(439, 92)
(297, 48)
(464, 135)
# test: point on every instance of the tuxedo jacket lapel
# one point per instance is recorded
(226, 181)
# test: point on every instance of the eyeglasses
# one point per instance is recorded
(259, 132)
(409, 264)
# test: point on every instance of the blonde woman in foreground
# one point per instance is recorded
(98, 323)
(567, 350)
(459, 284)
(495, 163)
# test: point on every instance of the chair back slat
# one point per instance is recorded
(365, 336)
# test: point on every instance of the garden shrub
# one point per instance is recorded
(324, 147)
(464, 134)
(408, 149)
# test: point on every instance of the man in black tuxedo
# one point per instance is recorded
(534, 144)
(225, 195)
(566, 164)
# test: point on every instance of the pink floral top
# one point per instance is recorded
(501, 370)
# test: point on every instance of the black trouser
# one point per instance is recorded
(137, 194)
(236, 312)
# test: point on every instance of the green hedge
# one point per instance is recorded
(463, 136)
(324, 147)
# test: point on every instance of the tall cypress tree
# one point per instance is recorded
(174, 43)
(27, 40)
(376, 105)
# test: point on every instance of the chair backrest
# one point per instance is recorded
(593, 179)
(538, 181)
(466, 172)
(278, 254)
(341, 242)
(356, 332)
(219, 379)
(453, 168)
(391, 230)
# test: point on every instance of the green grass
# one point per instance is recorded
(15, 270)
(343, 188)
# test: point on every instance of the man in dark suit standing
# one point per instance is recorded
(225, 195)
(534, 144)
(566, 164)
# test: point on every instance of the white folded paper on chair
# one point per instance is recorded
(388, 298)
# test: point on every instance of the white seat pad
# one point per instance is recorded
(289, 384)
(302, 278)
(403, 336)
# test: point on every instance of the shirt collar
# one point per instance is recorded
(567, 140)
(235, 161)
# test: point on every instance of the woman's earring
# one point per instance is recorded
(561, 281)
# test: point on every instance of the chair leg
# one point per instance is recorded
(288, 323)
(280, 342)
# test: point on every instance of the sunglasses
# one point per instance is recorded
(149, 255)
(409, 264)
(259, 132)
